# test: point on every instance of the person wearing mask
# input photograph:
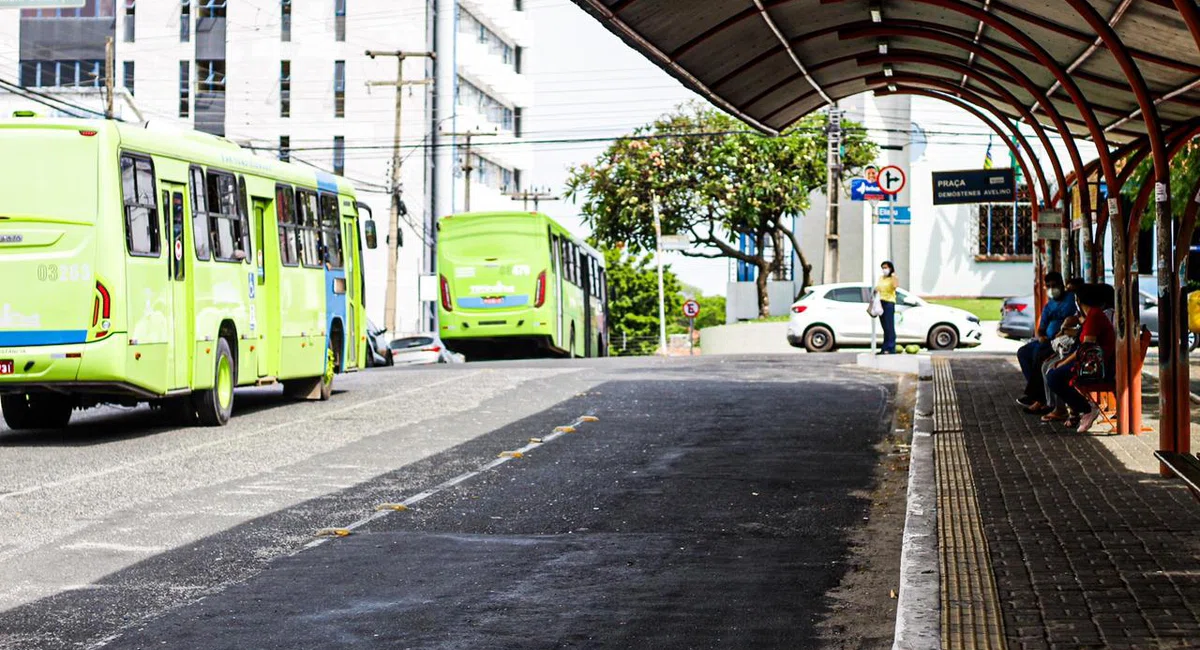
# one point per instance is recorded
(885, 290)
(1061, 344)
(1033, 354)
(1098, 331)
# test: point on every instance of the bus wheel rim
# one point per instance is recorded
(224, 383)
(330, 367)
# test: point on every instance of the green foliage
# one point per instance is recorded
(1185, 170)
(713, 180)
(633, 298)
(712, 312)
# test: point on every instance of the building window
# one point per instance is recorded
(285, 89)
(339, 89)
(90, 9)
(185, 88)
(339, 20)
(212, 8)
(62, 74)
(285, 20)
(210, 76)
(130, 23)
(128, 76)
(492, 175)
(1002, 235)
(185, 21)
(285, 148)
(492, 109)
(517, 59)
(339, 155)
(517, 5)
(497, 45)
(518, 116)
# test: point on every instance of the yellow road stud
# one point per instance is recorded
(564, 429)
(333, 532)
(391, 506)
(589, 418)
(511, 454)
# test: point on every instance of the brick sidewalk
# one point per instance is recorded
(1086, 552)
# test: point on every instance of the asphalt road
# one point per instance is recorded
(715, 503)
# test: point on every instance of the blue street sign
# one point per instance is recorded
(863, 190)
(903, 215)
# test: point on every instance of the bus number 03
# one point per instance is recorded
(66, 273)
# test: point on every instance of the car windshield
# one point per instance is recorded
(411, 342)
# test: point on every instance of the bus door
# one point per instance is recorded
(352, 261)
(585, 265)
(557, 262)
(262, 313)
(175, 220)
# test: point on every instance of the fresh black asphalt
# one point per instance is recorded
(709, 507)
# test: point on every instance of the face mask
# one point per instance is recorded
(1057, 293)
(887, 273)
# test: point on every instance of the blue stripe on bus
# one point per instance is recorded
(41, 337)
(327, 182)
(505, 301)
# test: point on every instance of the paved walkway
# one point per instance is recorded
(1089, 548)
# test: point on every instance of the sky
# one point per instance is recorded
(589, 84)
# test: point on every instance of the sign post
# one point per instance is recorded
(874, 321)
(691, 309)
(891, 181)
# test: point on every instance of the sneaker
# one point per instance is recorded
(1086, 421)
(1026, 401)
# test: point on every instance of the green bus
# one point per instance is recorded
(168, 267)
(517, 284)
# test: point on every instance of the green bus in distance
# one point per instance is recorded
(168, 267)
(518, 285)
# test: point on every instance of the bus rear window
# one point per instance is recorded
(38, 165)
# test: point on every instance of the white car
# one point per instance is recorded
(833, 315)
(421, 349)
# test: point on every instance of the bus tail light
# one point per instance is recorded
(539, 291)
(101, 310)
(445, 294)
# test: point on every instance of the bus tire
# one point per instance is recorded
(214, 406)
(36, 411)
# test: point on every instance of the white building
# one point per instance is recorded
(291, 78)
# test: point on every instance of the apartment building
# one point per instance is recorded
(291, 78)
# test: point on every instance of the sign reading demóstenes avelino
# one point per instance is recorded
(974, 186)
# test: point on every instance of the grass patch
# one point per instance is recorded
(771, 319)
(983, 308)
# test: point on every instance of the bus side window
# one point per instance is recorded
(285, 209)
(142, 232)
(331, 235)
(200, 214)
(244, 222)
(307, 222)
(224, 222)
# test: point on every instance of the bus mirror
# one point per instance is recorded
(372, 237)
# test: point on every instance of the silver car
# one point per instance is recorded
(421, 349)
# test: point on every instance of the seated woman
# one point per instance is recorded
(1097, 330)
(1054, 409)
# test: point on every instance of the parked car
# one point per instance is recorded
(419, 349)
(835, 315)
(378, 352)
(1016, 318)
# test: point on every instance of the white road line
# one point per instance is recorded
(461, 478)
(226, 440)
(122, 548)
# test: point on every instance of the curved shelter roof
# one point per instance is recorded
(770, 62)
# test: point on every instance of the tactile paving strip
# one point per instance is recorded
(971, 615)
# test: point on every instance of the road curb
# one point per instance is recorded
(918, 608)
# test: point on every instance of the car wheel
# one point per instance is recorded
(943, 337)
(818, 338)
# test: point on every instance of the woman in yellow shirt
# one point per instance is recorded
(886, 290)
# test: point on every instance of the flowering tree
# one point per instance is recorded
(715, 182)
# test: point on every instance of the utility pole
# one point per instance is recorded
(833, 193)
(535, 196)
(109, 64)
(467, 167)
(389, 304)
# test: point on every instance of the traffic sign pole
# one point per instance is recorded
(691, 336)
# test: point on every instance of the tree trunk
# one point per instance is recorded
(764, 298)
(806, 269)
(778, 264)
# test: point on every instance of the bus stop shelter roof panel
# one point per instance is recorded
(771, 62)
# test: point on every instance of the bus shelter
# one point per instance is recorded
(1124, 74)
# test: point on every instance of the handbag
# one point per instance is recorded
(1090, 367)
(875, 309)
